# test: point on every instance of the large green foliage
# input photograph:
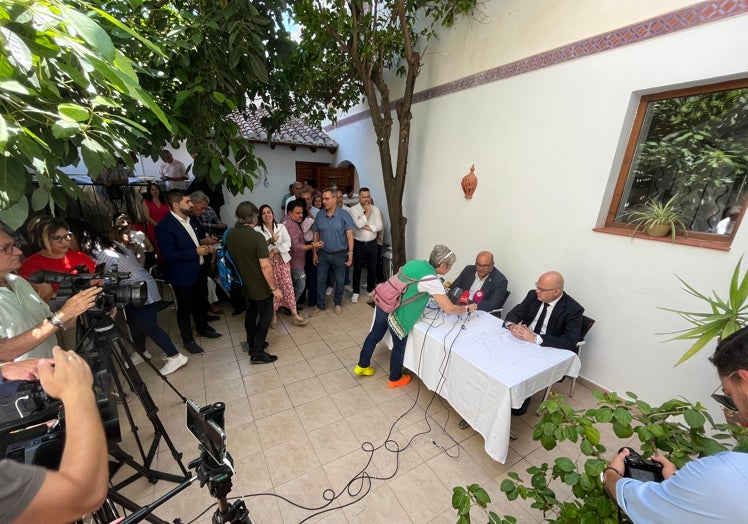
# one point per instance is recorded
(86, 81)
(63, 90)
(680, 430)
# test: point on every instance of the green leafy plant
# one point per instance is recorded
(679, 429)
(723, 318)
(655, 214)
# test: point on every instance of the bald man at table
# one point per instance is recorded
(547, 317)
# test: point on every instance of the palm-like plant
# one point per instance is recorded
(655, 213)
(725, 318)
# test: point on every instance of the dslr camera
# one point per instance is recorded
(115, 294)
(639, 468)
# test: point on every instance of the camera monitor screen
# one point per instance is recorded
(208, 433)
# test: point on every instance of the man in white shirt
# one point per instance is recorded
(173, 172)
(368, 221)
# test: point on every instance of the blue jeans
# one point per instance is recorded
(143, 323)
(336, 264)
(378, 330)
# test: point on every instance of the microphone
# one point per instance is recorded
(478, 296)
(464, 298)
(454, 294)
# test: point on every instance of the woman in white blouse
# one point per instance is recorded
(279, 246)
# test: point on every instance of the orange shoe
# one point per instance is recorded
(402, 381)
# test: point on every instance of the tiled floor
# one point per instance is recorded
(307, 429)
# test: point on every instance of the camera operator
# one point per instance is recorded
(34, 494)
(27, 328)
(710, 489)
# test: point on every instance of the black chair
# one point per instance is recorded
(587, 323)
(497, 312)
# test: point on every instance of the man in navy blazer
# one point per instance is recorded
(547, 316)
(485, 277)
(183, 256)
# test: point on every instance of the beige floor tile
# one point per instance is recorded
(295, 372)
(278, 428)
(333, 441)
(318, 413)
(325, 363)
(291, 459)
(225, 390)
(352, 401)
(305, 391)
(421, 493)
(264, 379)
(269, 402)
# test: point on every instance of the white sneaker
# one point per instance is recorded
(147, 355)
(173, 364)
(354, 298)
(136, 359)
(349, 288)
(329, 291)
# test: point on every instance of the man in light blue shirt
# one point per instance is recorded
(334, 227)
(706, 490)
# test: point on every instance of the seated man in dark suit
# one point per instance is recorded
(485, 277)
(548, 317)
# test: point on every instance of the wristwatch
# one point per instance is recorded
(56, 321)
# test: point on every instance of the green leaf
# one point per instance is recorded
(592, 434)
(13, 86)
(15, 216)
(39, 199)
(4, 135)
(90, 31)
(565, 464)
(73, 112)
(694, 418)
(63, 129)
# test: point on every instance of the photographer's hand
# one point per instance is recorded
(21, 370)
(77, 304)
(668, 468)
(80, 484)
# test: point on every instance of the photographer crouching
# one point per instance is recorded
(27, 327)
(706, 490)
(34, 494)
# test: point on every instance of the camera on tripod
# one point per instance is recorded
(115, 294)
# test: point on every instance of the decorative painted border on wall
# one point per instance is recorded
(692, 16)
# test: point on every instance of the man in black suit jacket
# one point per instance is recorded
(560, 326)
(485, 277)
(184, 260)
(547, 316)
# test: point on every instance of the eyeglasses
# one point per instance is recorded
(63, 238)
(7, 249)
(483, 266)
(725, 400)
(543, 289)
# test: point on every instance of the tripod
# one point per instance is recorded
(218, 478)
(108, 354)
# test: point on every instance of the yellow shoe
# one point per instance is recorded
(358, 370)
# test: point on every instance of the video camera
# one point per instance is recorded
(32, 424)
(115, 294)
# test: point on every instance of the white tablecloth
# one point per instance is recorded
(483, 371)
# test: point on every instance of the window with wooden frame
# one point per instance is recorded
(688, 148)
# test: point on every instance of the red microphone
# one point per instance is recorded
(478, 296)
(464, 298)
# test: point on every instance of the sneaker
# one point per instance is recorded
(173, 364)
(301, 321)
(149, 357)
(403, 381)
(354, 298)
(329, 291)
(348, 288)
(367, 372)
(262, 358)
(136, 359)
(338, 310)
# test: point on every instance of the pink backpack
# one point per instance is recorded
(388, 294)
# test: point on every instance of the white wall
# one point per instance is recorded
(547, 148)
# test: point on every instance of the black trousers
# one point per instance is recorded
(364, 252)
(192, 302)
(257, 321)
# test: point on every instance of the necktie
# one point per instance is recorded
(541, 319)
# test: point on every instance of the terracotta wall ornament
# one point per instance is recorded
(469, 183)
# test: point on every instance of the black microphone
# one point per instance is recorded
(454, 294)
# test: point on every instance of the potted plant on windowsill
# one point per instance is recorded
(657, 219)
